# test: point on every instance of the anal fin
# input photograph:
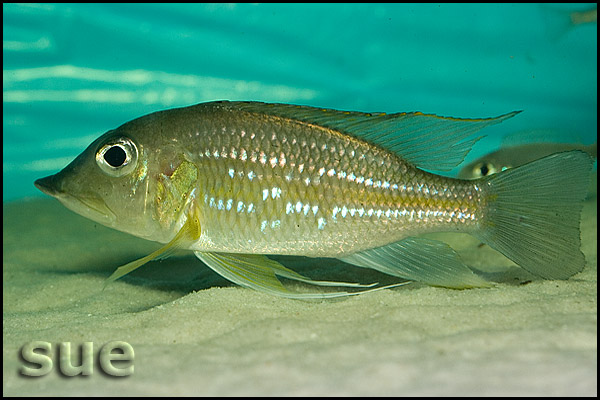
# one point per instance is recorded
(422, 260)
(259, 272)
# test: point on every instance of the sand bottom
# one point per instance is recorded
(194, 333)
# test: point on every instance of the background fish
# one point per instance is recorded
(515, 156)
(559, 22)
(236, 181)
(523, 147)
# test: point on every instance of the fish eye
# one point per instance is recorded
(117, 157)
(484, 169)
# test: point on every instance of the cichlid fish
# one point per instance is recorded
(514, 156)
(237, 181)
(558, 21)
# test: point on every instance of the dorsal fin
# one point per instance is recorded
(425, 140)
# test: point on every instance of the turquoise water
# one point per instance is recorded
(72, 72)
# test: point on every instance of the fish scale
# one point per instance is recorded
(283, 174)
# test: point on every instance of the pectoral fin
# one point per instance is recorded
(260, 273)
(422, 260)
(189, 233)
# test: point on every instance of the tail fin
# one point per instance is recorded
(533, 213)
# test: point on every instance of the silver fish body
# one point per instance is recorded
(235, 180)
(285, 187)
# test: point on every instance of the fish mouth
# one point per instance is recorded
(47, 185)
(90, 205)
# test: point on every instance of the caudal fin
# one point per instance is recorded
(533, 213)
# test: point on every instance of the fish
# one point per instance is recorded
(558, 22)
(517, 155)
(237, 182)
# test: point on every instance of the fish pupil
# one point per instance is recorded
(484, 170)
(115, 156)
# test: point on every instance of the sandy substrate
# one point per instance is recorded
(193, 333)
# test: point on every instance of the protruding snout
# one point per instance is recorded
(48, 185)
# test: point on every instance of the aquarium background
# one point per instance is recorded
(73, 71)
